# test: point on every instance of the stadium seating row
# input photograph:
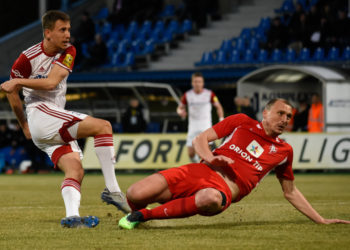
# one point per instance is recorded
(124, 44)
(249, 56)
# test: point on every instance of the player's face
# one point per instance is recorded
(197, 84)
(277, 118)
(59, 36)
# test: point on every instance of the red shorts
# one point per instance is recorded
(186, 180)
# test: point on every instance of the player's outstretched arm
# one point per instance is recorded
(56, 75)
(297, 199)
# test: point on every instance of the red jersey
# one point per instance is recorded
(254, 152)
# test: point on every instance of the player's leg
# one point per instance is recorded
(208, 201)
(74, 173)
(153, 188)
(104, 149)
(192, 154)
(186, 191)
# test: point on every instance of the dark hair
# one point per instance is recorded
(273, 101)
(197, 74)
(50, 17)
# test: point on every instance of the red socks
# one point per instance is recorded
(179, 208)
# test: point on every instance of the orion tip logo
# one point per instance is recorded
(255, 149)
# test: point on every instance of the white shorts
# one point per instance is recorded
(54, 129)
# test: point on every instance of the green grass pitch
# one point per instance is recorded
(32, 206)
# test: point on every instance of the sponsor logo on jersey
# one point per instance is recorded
(42, 69)
(273, 149)
(39, 77)
(17, 73)
(68, 60)
(255, 149)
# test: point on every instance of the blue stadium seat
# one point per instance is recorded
(333, 54)
(287, 7)
(235, 56)
(346, 54)
(319, 55)
(207, 59)
(146, 26)
(122, 59)
(262, 56)
(221, 57)
(253, 44)
(290, 55)
(240, 45)
(245, 33)
(304, 4)
(277, 56)
(249, 56)
(265, 24)
(304, 55)
(173, 27)
(125, 46)
(186, 26)
(226, 45)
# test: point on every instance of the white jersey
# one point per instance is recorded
(34, 63)
(199, 108)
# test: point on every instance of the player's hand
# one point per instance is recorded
(221, 160)
(9, 86)
(334, 221)
(182, 113)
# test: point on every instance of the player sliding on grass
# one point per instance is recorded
(42, 72)
(250, 151)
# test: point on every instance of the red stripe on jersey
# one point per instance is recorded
(33, 48)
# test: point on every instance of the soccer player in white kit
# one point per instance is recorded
(199, 101)
(41, 72)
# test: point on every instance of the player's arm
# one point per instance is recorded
(219, 110)
(201, 146)
(17, 107)
(297, 199)
(56, 75)
(181, 110)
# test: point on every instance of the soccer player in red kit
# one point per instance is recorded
(250, 151)
(41, 72)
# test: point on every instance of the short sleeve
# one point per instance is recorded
(21, 68)
(285, 171)
(213, 97)
(230, 123)
(184, 99)
(67, 58)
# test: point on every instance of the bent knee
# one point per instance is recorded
(209, 201)
(134, 194)
(105, 127)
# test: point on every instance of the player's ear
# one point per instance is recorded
(264, 113)
(47, 34)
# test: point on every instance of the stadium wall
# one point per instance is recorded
(161, 151)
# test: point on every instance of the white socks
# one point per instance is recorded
(105, 153)
(70, 190)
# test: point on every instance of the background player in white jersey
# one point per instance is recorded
(250, 151)
(41, 72)
(198, 101)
